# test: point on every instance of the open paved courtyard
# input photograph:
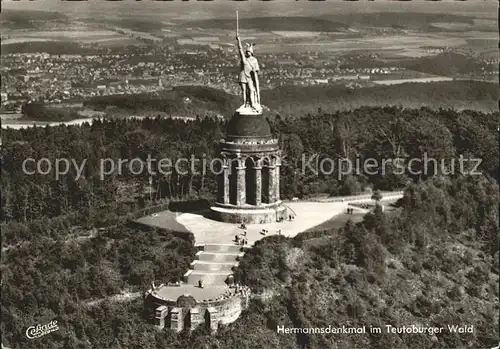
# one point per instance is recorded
(219, 255)
(211, 292)
(308, 215)
(208, 231)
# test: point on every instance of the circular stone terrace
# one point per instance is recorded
(220, 253)
(209, 293)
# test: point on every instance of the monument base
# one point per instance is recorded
(249, 214)
(248, 110)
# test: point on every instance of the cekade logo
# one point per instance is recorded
(41, 330)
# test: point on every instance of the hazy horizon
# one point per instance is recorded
(185, 10)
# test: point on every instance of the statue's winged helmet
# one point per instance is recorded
(249, 48)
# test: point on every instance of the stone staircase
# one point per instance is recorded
(219, 257)
(222, 248)
(213, 264)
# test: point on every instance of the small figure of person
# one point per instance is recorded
(200, 283)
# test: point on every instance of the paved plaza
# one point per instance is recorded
(211, 292)
(208, 231)
(214, 263)
(309, 214)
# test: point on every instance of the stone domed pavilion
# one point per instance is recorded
(248, 182)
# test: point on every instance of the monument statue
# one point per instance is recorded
(249, 183)
(249, 75)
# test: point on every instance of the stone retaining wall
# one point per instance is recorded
(169, 313)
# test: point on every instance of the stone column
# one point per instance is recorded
(258, 185)
(160, 315)
(272, 183)
(240, 185)
(277, 183)
(176, 320)
(225, 180)
(213, 319)
(196, 318)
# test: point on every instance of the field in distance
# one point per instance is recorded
(395, 33)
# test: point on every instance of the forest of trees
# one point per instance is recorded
(39, 112)
(449, 64)
(435, 262)
(291, 101)
(287, 101)
(203, 100)
(297, 101)
(378, 133)
(45, 279)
